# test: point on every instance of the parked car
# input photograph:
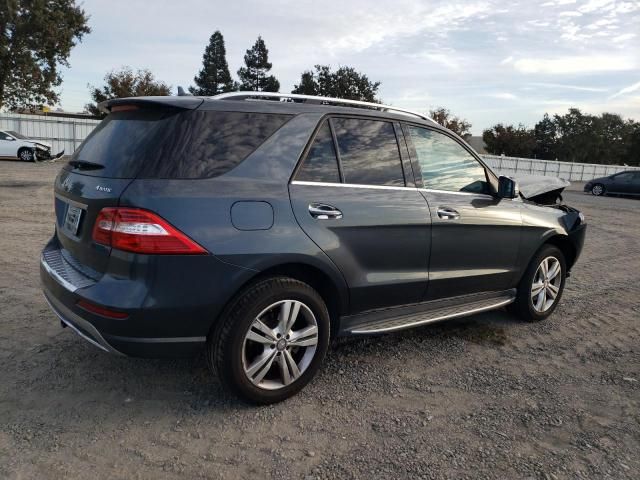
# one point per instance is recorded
(259, 229)
(622, 183)
(15, 145)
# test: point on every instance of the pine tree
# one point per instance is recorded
(253, 75)
(214, 78)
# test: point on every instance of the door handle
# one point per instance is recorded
(447, 213)
(322, 211)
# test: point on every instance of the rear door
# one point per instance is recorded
(475, 234)
(350, 196)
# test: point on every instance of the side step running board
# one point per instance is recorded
(432, 315)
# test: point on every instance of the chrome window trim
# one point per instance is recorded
(385, 187)
(351, 185)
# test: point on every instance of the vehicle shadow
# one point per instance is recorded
(148, 387)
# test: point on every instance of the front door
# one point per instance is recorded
(623, 183)
(350, 197)
(475, 235)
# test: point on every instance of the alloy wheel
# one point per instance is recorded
(26, 155)
(280, 344)
(546, 284)
(597, 190)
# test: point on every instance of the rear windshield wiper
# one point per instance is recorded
(84, 165)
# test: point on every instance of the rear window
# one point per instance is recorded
(174, 143)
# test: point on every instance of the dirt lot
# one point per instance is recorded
(483, 397)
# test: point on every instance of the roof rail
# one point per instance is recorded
(295, 97)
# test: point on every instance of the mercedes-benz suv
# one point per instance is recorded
(259, 226)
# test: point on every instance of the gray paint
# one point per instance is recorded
(388, 250)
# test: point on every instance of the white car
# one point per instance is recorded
(15, 145)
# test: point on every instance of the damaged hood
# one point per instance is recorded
(44, 146)
(541, 189)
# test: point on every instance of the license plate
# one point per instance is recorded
(72, 219)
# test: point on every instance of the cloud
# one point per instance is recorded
(624, 37)
(407, 19)
(631, 88)
(454, 53)
(502, 96)
(578, 88)
(574, 64)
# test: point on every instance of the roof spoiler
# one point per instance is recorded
(186, 102)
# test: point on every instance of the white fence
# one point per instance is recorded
(68, 133)
(60, 132)
(549, 168)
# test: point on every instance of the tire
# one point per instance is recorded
(26, 155)
(529, 306)
(598, 190)
(236, 345)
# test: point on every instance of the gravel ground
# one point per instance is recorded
(483, 397)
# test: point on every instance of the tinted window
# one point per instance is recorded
(175, 144)
(368, 152)
(445, 164)
(624, 177)
(321, 163)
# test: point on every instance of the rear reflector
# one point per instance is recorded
(97, 309)
(141, 231)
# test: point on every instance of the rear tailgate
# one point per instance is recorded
(102, 168)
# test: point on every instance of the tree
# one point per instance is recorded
(253, 76)
(36, 36)
(214, 78)
(510, 141)
(126, 83)
(545, 133)
(345, 83)
(458, 125)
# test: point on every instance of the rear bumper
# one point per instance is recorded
(78, 324)
(170, 313)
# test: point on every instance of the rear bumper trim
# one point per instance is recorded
(56, 276)
(77, 324)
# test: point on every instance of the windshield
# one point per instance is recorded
(17, 135)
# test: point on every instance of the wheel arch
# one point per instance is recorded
(334, 295)
(25, 147)
(566, 247)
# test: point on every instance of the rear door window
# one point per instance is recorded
(321, 163)
(369, 152)
(152, 143)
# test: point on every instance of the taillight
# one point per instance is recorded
(140, 231)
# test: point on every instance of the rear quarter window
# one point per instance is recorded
(175, 143)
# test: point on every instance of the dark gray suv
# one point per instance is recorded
(259, 226)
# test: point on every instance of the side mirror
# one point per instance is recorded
(507, 187)
(8, 138)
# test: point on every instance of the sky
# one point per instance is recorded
(486, 61)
